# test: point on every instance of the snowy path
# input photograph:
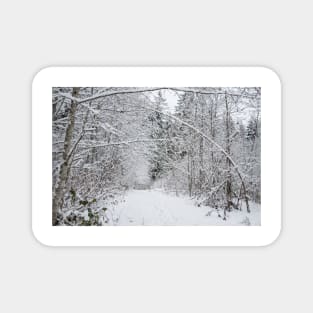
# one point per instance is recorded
(154, 207)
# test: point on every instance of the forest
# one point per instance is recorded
(156, 156)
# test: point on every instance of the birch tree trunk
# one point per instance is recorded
(60, 189)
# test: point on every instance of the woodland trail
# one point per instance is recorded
(155, 207)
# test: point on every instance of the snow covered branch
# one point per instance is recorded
(140, 90)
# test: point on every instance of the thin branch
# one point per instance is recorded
(124, 143)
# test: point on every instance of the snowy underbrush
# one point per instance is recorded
(235, 217)
(236, 210)
(90, 212)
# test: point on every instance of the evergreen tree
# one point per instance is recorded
(159, 127)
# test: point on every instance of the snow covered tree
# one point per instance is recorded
(159, 127)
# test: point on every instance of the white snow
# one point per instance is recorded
(155, 207)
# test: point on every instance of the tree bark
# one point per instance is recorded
(58, 197)
(201, 156)
(228, 175)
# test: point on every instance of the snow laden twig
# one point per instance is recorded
(127, 142)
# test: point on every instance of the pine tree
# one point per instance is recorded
(158, 132)
(252, 129)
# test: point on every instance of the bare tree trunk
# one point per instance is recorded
(93, 154)
(58, 197)
(201, 171)
(54, 108)
(190, 173)
(228, 177)
(212, 134)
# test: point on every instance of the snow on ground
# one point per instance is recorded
(155, 207)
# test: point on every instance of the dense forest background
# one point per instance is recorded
(204, 145)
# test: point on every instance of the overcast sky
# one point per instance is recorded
(171, 98)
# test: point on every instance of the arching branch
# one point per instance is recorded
(147, 89)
